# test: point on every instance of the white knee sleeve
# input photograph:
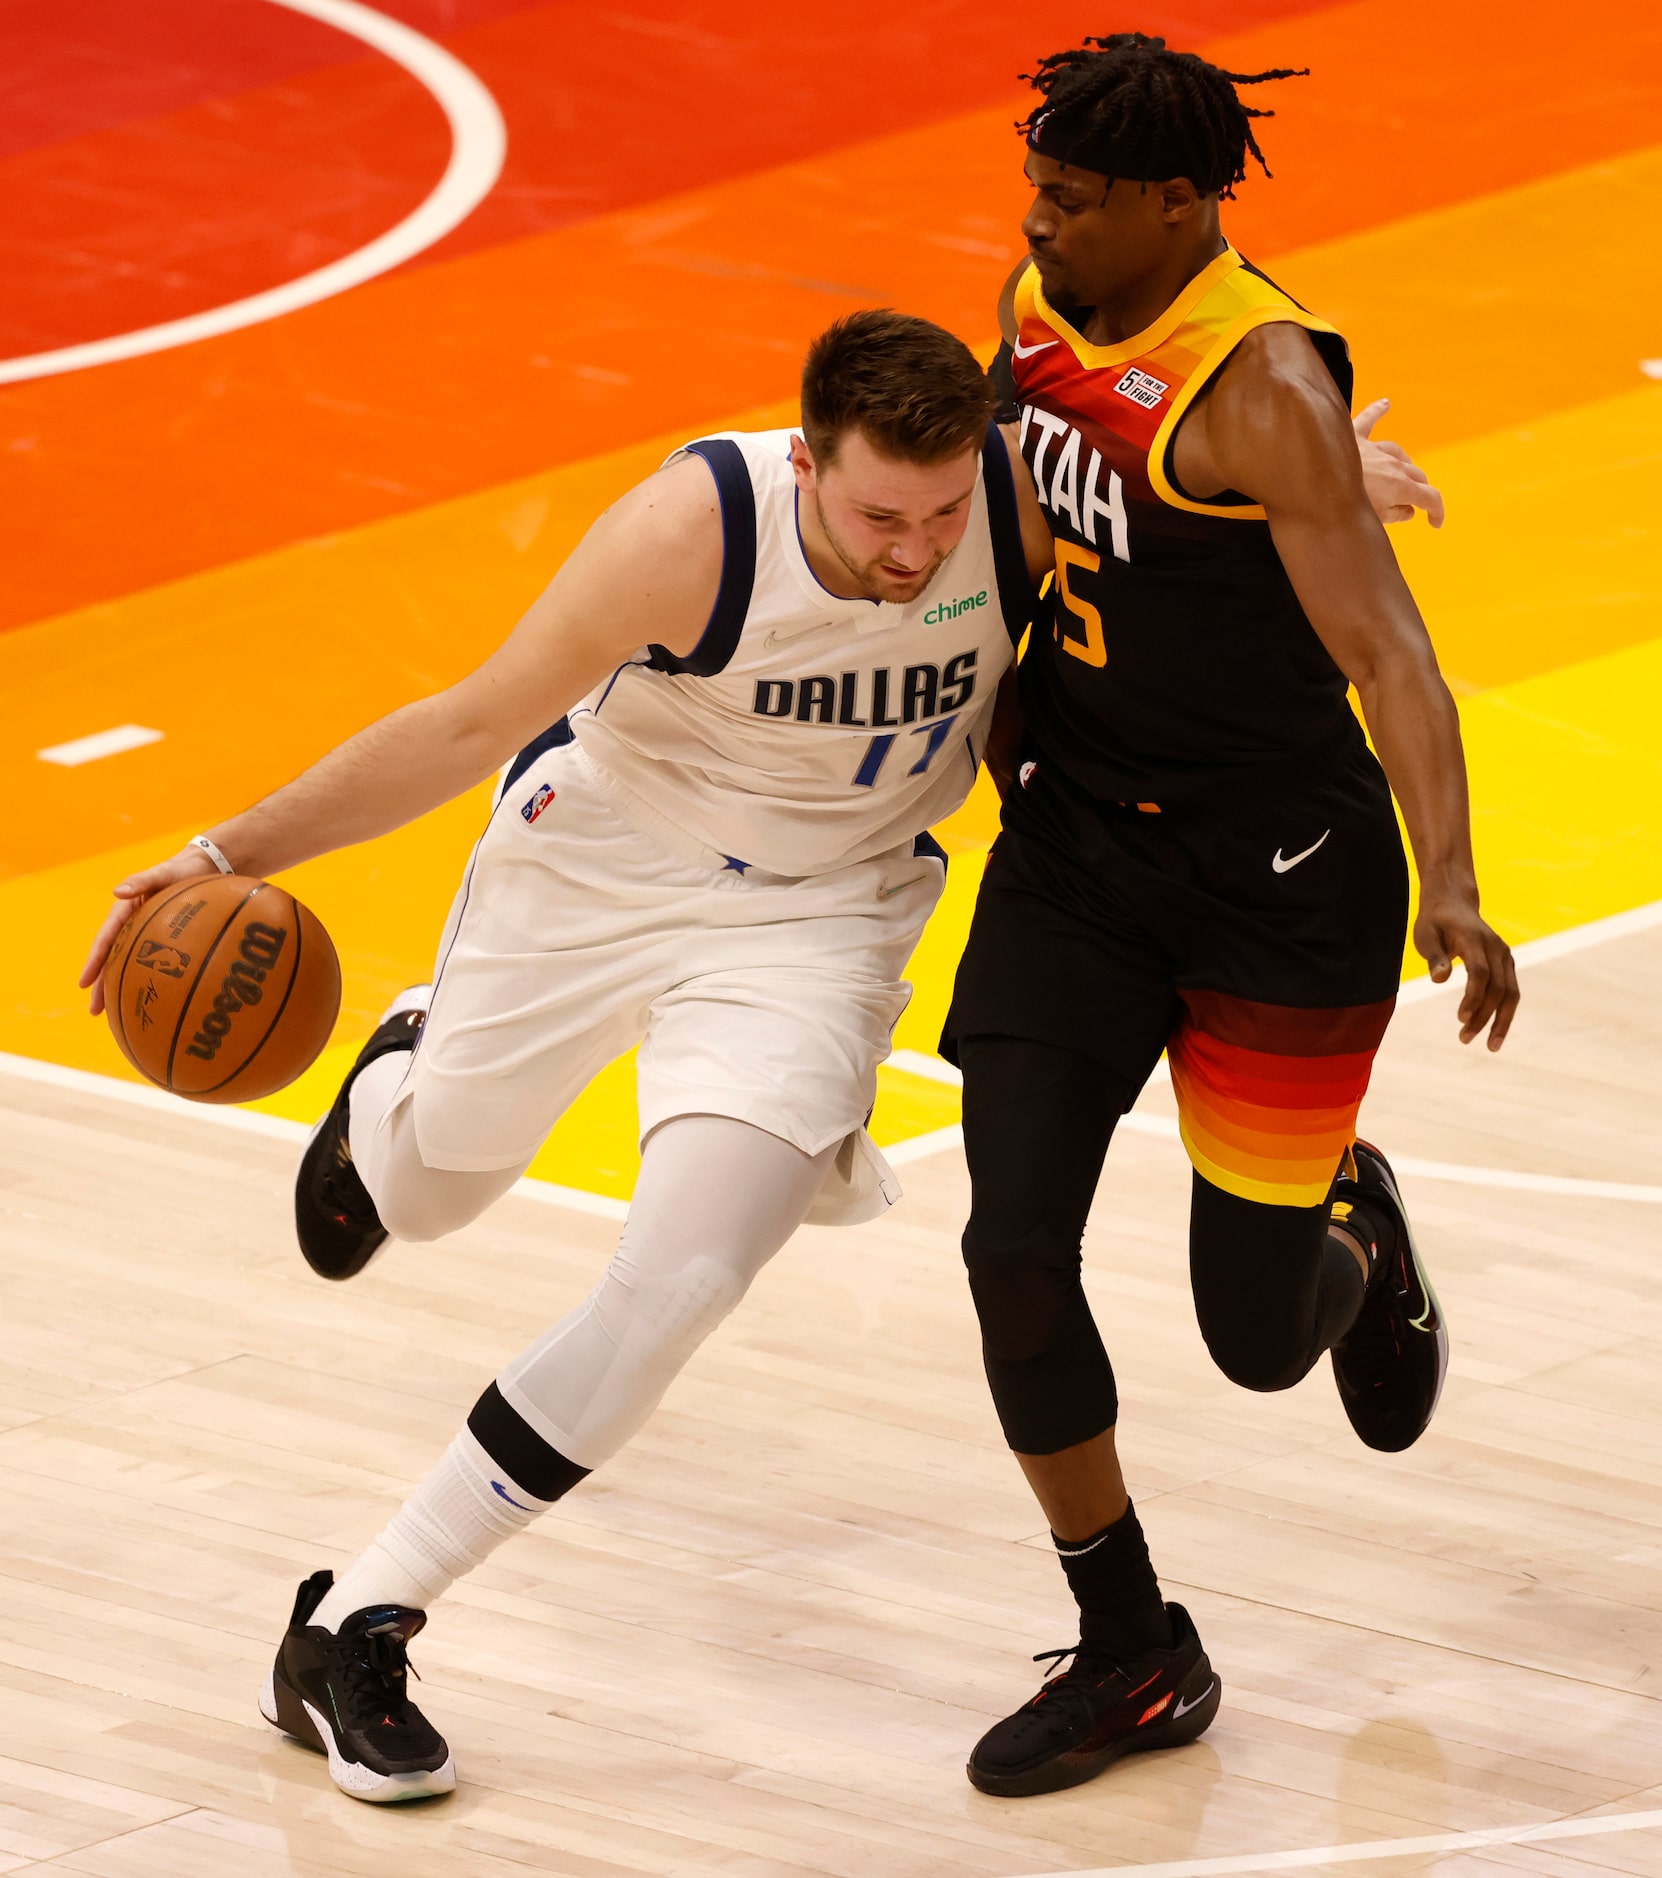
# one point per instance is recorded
(715, 1200)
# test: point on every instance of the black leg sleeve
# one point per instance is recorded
(1037, 1122)
(1272, 1290)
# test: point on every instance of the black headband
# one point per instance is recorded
(1069, 137)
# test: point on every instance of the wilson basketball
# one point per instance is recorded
(222, 989)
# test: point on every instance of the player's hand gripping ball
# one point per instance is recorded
(222, 989)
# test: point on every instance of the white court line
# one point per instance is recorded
(1163, 1128)
(920, 1147)
(916, 1063)
(1472, 1841)
(101, 743)
(478, 143)
(140, 1095)
(1558, 945)
(1416, 991)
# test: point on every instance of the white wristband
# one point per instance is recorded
(211, 850)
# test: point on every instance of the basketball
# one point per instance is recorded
(222, 989)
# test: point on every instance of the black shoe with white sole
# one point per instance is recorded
(345, 1694)
(1095, 1711)
(334, 1218)
(1391, 1363)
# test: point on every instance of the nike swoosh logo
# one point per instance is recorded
(499, 1488)
(1026, 352)
(888, 893)
(1183, 1708)
(1282, 866)
(777, 638)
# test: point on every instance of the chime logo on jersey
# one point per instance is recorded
(950, 609)
(878, 700)
(538, 802)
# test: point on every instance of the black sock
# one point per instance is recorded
(1372, 1225)
(1112, 1579)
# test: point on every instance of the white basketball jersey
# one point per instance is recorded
(808, 731)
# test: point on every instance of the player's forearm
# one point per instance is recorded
(1004, 735)
(1416, 731)
(389, 774)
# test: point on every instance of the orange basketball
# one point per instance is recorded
(222, 989)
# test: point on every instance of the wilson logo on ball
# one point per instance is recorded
(261, 947)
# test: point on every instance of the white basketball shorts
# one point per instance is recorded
(575, 935)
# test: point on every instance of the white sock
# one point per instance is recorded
(453, 1521)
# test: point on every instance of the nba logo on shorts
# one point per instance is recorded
(538, 802)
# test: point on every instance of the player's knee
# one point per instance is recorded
(1252, 1355)
(1254, 1269)
(1023, 1288)
(672, 1312)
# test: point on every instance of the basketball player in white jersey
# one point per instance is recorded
(776, 662)
(773, 666)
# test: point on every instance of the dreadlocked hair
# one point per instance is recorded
(1129, 106)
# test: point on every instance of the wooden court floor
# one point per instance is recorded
(762, 1641)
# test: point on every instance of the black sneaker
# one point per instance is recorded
(344, 1693)
(1096, 1710)
(1391, 1363)
(334, 1218)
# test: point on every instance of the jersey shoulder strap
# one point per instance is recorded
(1158, 373)
(1239, 301)
(720, 638)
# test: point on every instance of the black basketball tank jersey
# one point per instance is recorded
(1176, 657)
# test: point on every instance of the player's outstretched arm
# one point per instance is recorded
(1275, 429)
(646, 573)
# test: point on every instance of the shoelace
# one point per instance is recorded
(373, 1666)
(1077, 1677)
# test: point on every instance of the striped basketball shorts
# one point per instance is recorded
(1256, 938)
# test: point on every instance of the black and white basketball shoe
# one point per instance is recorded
(1391, 1363)
(1096, 1711)
(345, 1694)
(334, 1217)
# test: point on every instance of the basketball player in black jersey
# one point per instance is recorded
(1198, 855)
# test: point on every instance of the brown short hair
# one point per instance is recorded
(916, 390)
